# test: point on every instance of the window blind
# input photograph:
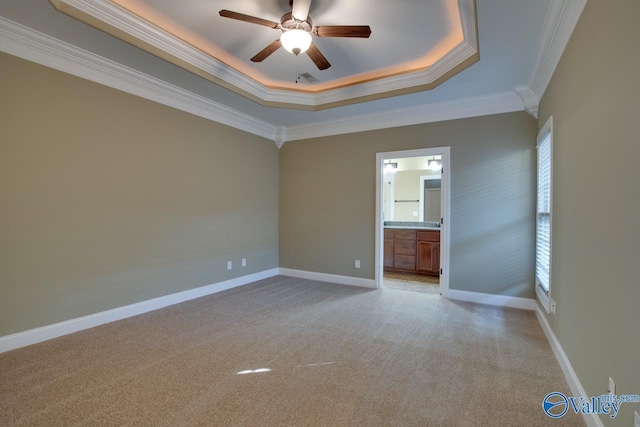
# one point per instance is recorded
(543, 214)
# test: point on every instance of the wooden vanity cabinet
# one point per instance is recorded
(404, 250)
(388, 248)
(412, 251)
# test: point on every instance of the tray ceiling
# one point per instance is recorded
(412, 51)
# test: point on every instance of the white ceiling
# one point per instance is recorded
(428, 22)
(383, 67)
(510, 35)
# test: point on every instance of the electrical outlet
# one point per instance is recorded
(636, 419)
(553, 306)
(415, 213)
(244, 262)
(612, 386)
(229, 265)
(357, 263)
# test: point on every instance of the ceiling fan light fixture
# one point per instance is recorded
(296, 41)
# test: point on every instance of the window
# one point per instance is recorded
(543, 213)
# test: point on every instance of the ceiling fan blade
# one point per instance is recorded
(300, 9)
(363, 31)
(264, 53)
(248, 18)
(317, 57)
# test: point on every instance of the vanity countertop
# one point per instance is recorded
(412, 225)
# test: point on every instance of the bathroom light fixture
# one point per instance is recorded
(296, 41)
(434, 164)
(390, 167)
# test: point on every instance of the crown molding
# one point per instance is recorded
(281, 136)
(123, 24)
(504, 102)
(426, 79)
(104, 12)
(530, 100)
(40, 48)
(34, 46)
(465, 51)
(562, 18)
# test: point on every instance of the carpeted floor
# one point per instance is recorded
(412, 282)
(292, 352)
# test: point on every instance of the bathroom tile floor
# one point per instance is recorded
(413, 283)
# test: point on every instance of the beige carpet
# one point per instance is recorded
(335, 355)
(412, 282)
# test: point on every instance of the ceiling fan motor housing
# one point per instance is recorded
(288, 22)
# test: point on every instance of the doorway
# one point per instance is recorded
(412, 220)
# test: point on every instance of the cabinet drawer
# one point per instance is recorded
(404, 247)
(404, 262)
(404, 234)
(429, 236)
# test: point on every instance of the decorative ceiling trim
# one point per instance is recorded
(281, 135)
(40, 48)
(463, 54)
(125, 25)
(504, 102)
(529, 99)
(29, 44)
(562, 18)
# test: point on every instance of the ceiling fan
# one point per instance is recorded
(297, 29)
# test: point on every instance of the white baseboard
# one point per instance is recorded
(331, 278)
(592, 420)
(33, 336)
(492, 299)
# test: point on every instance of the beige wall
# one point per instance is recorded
(407, 187)
(593, 98)
(107, 199)
(327, 200)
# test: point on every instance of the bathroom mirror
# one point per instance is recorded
(412, 189)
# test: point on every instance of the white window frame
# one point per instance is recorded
(544, 297)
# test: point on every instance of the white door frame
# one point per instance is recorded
(445, 152)
(392, 196)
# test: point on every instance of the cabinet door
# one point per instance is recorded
(429, 257)
(388, 253)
